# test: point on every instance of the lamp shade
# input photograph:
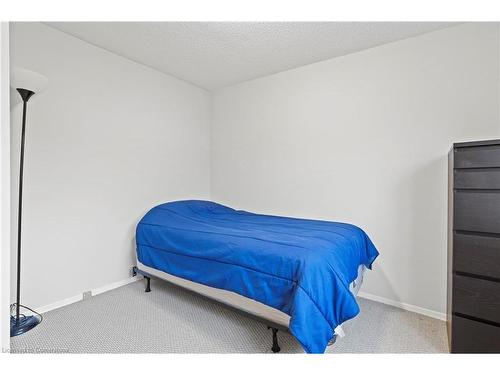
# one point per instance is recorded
(21, 78)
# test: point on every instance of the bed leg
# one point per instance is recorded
(275, 348)
(332, 341)
(148, 284)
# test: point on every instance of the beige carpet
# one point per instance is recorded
(170, 320)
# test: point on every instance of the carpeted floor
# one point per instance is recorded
(170, 320)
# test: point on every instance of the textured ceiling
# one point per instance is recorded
(216, 54)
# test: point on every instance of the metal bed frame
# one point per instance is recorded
(273, 326)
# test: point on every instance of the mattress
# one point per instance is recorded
(302, 268)
(240, 302)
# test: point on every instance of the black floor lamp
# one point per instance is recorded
(26, 83)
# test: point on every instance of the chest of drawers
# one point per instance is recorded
(473, 308)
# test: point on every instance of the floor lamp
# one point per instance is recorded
(26, 83)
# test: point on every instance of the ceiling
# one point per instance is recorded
(217, 54)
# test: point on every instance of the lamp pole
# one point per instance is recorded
(26, 83)
(25, 95)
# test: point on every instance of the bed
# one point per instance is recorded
(292, 274)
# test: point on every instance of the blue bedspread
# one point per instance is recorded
(301, 267)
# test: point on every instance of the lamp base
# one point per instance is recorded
(23, 324)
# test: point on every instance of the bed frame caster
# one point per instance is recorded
(275, 348)
(148, 284)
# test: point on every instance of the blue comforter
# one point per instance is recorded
(301, 267)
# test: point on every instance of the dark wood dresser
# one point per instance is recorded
(473, 311)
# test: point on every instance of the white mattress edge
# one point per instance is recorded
(241, 302)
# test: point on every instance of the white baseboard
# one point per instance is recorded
(117, 284)
(114, 285)
(79, 297)
(61, 303)
(404, 306)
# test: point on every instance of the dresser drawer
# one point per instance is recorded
(477, 178)
(477, 157)
(469, 336)
(475, 254)
(477, 211)
(476, 297)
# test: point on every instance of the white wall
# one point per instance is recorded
(363, 139)
(107, 140)
(4, 187)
